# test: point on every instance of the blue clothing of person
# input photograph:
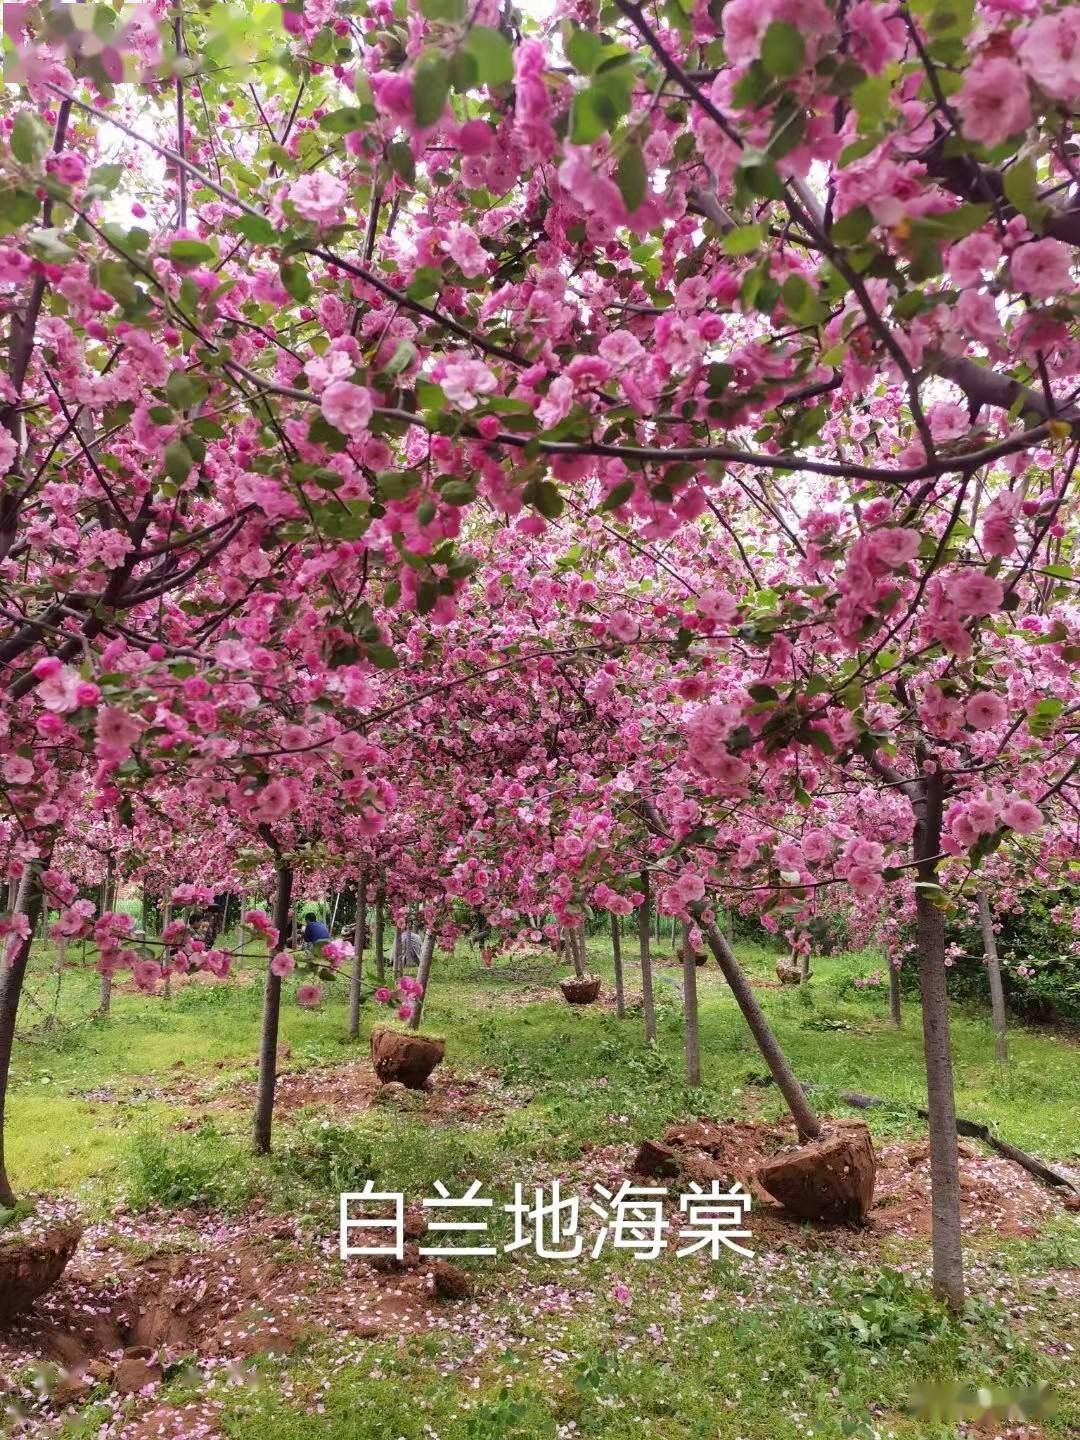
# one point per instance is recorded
(314, 931)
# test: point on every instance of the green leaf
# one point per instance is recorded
(542, 495)
(256, 228)
(380, 655)
(801, 301)
(744, 239)
(103, 180)
(853, 227)
(178, 461)
(343, 121)
(431, 85)
(632, 177)
(401, 359)
(783, 51)
(401, 160)
(493, 55)
(396, 484)
(586, 122)
(451, 10)
(185, 390)
(458, 492)
(16, 208)
(29, 138)
(618, 496)
(296, 280)
(48, 246)
(872, 99)
(1022, 191)
(583, 49)
(189, 253)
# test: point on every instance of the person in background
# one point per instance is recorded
(315, 932)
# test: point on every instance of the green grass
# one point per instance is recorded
(805, 1346)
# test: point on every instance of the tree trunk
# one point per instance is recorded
(895, 1018)
(27, 900)
(380, 943)
(690, 1007)
(359, 941)
(806, 1122)
(423, 975)
(576, 941)
(948, 1258)
(264, 1098)
(997, 993)
(397, 956)
(108, 902)
(616, 950)
(644, 936)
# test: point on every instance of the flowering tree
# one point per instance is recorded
(774, 302)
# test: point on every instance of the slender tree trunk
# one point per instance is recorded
(644, 935)
(27, 900)
(576, 941)
(806, 1122)
(997, 993)
(616, 950)
(948, 1258)
(359, 941)
(264, 1098)
(690, 1006)
(380, 943)
(423, 976)
(895, 1017)
(397, 956)
(108, 902)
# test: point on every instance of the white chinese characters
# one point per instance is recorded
(543, 1219)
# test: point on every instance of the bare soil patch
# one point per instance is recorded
(145, 1295)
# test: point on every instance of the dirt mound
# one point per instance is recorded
(831, 1180)
(32, 1261)
(580, 990)
(407, 1059)
(995, 1194)
(120, 1317)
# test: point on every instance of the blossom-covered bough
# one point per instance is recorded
(687, 405)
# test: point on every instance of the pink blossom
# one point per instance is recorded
(70, 169)
(1049, 50)
(383, 995)
(318, 197)
(975, 593)
(1042, 268)
(116, 729)
(347, 407)
(59, 691)
(971, 257)
(895, 547)
(620, 1293)
(1021, 815)
(993, 101)
(555, 405)
(406, 1011)
(309, 996)
(986, 711)
(465, 380)
(466, 251)
(622, 627)
(282, 964)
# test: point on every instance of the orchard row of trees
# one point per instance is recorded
(545, 461)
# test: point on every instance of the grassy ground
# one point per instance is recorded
(807, 1340)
